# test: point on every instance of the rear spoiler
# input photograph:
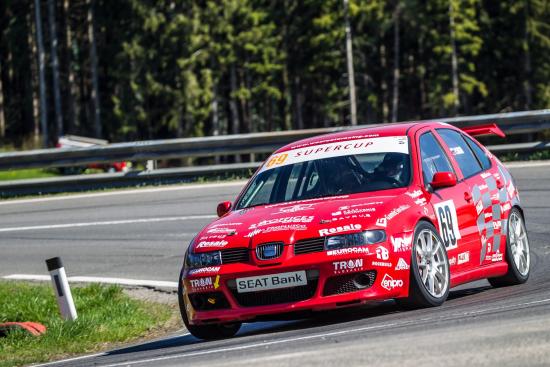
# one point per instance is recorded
(487, 129)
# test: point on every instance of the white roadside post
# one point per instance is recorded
(61, 288)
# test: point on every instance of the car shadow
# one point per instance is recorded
(318, 319)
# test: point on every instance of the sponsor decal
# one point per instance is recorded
(233, 224)
(425, 210)
(297, 219)
(382, 222)
(414, 194)
(350, 251)
(401, 244)
(479, 207)
(495, 197)
(273, 281)
(456, 150)
(421, 201)
(382, 253)
(452, 261)
(448, 223)
(209, 244)
(347, 266)
(485, 174)
(463, 257)
(283, 227)
(497, 224)
(332, 140)
(222, 230)
(389, 283)
(353, 211)
(361, 205)
(488, 215)
(402, 265)
(213, 237)
(345, 217)
(205, 283)
(295, 208)
(337, 149)
(382, 263)
(496, 257)
(209, 269)
(483, 187)
(340, 229)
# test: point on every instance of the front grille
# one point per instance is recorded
(276, 296)
(269, 251)
(235, 255)
(208, 301)
(309, 245)
(341, 284)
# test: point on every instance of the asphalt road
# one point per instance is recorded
(478, 325)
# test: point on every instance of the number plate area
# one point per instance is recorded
(271, 281)
(448, 223)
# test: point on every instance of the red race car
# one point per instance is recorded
(402, 211)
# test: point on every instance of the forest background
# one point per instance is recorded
(127, 70)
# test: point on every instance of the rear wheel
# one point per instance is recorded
(517, 253)
(206, 332)
(430, 275)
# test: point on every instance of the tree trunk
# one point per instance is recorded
(71, 85)
(2, 118)
(93, 65)
(55, 68)
(34, 82)
(454, 59)
(384, 85)
(351, 74)
(395, 98)
(527, 89)
(298, 103)
(41, 69)
(235, 124)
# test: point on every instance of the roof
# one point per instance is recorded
(374, 131)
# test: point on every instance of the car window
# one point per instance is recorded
(480, 153)
(467, 161)
(433, 157)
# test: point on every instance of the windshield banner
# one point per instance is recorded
(390, 144)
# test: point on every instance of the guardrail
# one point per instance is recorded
(510, 123)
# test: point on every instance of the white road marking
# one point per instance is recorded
(106, 223)
(317, 336)
(124, 192)
(85, 279)
(527, 164)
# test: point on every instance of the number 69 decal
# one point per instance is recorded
(448, 223)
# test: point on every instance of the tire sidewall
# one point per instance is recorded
(416, 281)
(511, 263)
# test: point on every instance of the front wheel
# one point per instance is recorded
(517, 253)
(206, 332)
(430, 276)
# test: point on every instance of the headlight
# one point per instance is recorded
(203, 259)
(354, 239)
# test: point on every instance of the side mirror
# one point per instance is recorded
(223, 208)
(443, 179)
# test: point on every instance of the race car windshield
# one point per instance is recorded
(331, 176)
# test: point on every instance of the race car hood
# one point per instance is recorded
(292, 221)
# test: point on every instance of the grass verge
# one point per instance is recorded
(22, 174)
(106, 316)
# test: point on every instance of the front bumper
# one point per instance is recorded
(333, 281)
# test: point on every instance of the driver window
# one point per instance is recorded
(433, 157)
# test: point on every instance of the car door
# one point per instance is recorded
(456, 219)
(487, 194)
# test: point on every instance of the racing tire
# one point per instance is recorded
(429, 279)
(517, 253)
(205, 332)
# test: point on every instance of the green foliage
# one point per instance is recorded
(192, 68)
(105, 315)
